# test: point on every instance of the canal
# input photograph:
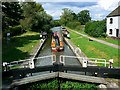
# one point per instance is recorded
(46, 51)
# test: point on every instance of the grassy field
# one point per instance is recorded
(94, 49)
(107, 39)
(19, 47)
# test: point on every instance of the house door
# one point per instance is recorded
(117, 32)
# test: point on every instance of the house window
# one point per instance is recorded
(111, 20)
(110, 31)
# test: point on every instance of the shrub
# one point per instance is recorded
(96, 28)
(16, 30)
(74, 25)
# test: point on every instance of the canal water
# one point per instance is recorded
(46, 51)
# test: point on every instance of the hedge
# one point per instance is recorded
(96, 28)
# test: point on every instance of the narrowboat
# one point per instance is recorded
(57, 43)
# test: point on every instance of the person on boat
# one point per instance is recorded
(56, 38)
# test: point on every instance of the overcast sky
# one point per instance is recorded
(99, 9)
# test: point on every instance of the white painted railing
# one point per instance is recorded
(53, 57)
(89, 60)
(30, 62)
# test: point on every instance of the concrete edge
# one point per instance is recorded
(39, 48)
(73, 49)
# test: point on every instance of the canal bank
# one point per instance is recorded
(46, 51)
(78, 53)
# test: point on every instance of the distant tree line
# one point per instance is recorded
(74, 21)
(19, 17)
(68, 15)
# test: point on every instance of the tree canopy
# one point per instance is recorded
(84, 17)
(96, 28)
(11, 14)
(24, 16)
(66, 16)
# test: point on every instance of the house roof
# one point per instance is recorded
(115, 12)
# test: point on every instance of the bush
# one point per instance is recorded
(96, 28)
(74, 25)
(16, 30)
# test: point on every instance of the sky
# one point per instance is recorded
(99, 9)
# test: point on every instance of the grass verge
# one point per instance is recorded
(93, 49)
(61, 84)
(107, 39)
(19, 47)
(111, 40)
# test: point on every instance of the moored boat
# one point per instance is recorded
(57, 43)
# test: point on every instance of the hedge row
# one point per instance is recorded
(74, 25)
(16, 30)
(96, 28)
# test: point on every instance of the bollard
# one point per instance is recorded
(84, 63)
(40, 36)
(5, 66)
(110, 63)
(31, 64)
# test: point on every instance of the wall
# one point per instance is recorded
(113, 26)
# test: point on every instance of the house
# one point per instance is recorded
(113, 23)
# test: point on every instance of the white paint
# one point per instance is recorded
(8, 34)
(4, 64)
(84, 63)
(31, 64)
(109, 6)
(115, 25)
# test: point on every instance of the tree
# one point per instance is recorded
(11, 14)
(96, 28)
(29, 14)
(84, 17)
(42, 21)
(55, 23)
(66, 16)
(35, 18)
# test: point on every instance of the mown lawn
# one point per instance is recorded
(107, 39)
(94, 49)
(19, 47)
(111, 40)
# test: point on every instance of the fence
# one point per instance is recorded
(82, 59)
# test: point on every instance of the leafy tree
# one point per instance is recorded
(74, 16)
(29, 14)
(84, 17)
(96, 28)
(11, 14)
(74, 25)
(35, 18)
(43, 21)
(55, 23)
(66, 16)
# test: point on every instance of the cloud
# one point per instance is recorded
(76, 4)
(98, 8)
(66, 0)
(108, 5)
(55, 8)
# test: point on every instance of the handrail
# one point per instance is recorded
(84, 58)
(59, 67)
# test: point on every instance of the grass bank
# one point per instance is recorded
(111, 40)
(19, 46)
(107, 39)
(54, 84)
(93, 49)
